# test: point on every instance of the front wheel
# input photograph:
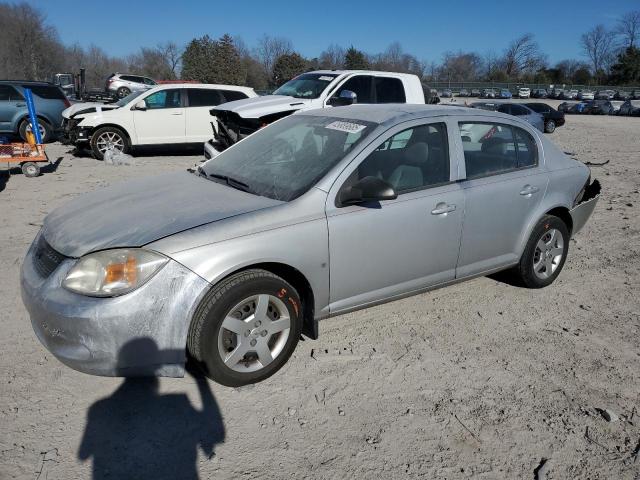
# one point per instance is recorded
(46, 132)
(550, 126)
(545, 253)
(246, 328)
(108, 138)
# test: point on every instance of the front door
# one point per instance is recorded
(396, 246)
(163, 121)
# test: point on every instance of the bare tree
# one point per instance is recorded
(597, 44)
(522, 56)
(333, 57)
(172, 55)
(461, 66)
(629, 28)
(269, 49)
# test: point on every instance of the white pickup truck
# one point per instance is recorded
(319, 89)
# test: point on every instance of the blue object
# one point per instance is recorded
(4, 140)
(35, 129)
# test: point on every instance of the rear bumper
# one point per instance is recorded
(582, 212)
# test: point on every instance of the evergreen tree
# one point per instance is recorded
(627, 69)
(228, 67)
(197, 59)
(288, 66)
(355, 60)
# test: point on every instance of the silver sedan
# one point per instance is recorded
(318, 214)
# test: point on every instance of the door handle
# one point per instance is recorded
(176, 113)
(18, 105)
(442, 209)
(529, 190)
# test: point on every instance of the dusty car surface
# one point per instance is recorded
(321, 213)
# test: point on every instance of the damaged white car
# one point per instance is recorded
(166, 114)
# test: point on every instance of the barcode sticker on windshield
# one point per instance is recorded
(348, 127)
(325, 79)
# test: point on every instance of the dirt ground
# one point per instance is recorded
(480, 380)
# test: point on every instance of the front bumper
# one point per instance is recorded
(73, 134)
(210, 150)
(142, 333)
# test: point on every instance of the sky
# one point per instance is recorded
(423, 28)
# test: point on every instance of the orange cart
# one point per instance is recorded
(28, 156)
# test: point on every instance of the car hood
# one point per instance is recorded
(135, 213)
(86, 107)
(257, 107)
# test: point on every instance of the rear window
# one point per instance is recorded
(232, 95)
(48, 92)
(389, 90)
(204, 97)
(8, 93)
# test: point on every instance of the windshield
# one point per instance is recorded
(123, 101)
(285, 159)
(307, 85)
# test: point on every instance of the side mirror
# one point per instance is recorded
(369, 189)
(141, 105)
(346, 97)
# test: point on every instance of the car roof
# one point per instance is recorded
(164, 86)
(28, 82)
(395, 113)
(366, 72)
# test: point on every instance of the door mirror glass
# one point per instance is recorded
(346, 97)
(369, 189)
(141, 105)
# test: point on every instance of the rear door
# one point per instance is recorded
(164, 119)
(11, 105)
(505, 182)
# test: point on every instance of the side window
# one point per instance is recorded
(201, 97)
(360, 85)
(127, 78)
(231, 95)
(164, 99)
(519, 110)
(389, 90)
(526, 148)
(9, 93)
(505, 108)
(148, 81)
(410, 160)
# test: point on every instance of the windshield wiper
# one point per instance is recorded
(232, 182)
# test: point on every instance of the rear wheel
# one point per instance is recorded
(109, 138)
(550, 126)
(123, 92)
(246, 328)
(545, 253)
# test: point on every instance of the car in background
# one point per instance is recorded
(622, 95)
(505, 94)
(524, 92)
(447, 93)
(488, 93)
(630, 107)
(49, 101)
(586, 95)
(568, 95)
(165, 114)
(230, 263)
(464, 93)
(574, 107)
(489, 106)
(601, 107)
(555, 93)
(552, 117)
(522, 112)
(605, 95)
(635, 95)
(615, 104)
(539, 93)
(122, 84)
(475, 92)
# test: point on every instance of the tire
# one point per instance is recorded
(537, 268)
(46, 132)
(106, 137)
(30, 169)
(227, 341)
(550, 126)
(123, 92)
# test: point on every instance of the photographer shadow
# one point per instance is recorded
(138, 433)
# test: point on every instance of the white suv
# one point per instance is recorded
(166, 114)
(524, 92)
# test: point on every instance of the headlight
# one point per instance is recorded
(113, 272)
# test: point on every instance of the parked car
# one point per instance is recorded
(524, 113)
(49, 102)
(539, 93)
(524, 92)
(504, 93)
(165, 114)
(319, 89)
(490, 106)
(586, 95)
(555, 93)
(464, 93)
(622, 95)
(605, 95)
(600, 107)
(552, 117)
(635, 95)
(488, 93)
(447, 93)
(630, 107)
(568, 95)
(572, 107)
(475, 92)
(122, 84)
(231, 263)
(615, 106)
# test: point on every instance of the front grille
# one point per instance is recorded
(45, 258)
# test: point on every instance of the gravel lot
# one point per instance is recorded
(481, 380)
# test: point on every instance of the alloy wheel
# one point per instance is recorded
(110, 140)
(548, 254)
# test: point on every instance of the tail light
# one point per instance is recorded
(67, 103)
